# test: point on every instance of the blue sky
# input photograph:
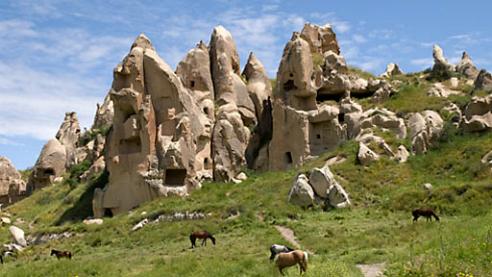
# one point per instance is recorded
(58, 56)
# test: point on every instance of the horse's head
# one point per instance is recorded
(53, 252)
(212, 239)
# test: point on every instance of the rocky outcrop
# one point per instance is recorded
(439, 90)
(466, 67)
(321, 187)
(478, 114)
(321, 39)
(68, 135)
(425, 130)
(50, 165)
(441, 65)
(392, 69)
(236, 111)
(484, 81)
(104, 114)
(12, 187)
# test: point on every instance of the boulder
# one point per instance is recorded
(140, 224)
(12, 187)
(337, 197)
(321, 179)
(18, 235)
(392, 69)
(425, 129)
(478, 114)
(484, 81)
(334, 63)
(301, 193)
(5, 220)
(402, 154)
(365, 155)
(466, 67)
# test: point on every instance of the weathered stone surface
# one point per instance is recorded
(425, 129)
(104, 114)
(439, 90)
(320, 38)
(18, 235)
(334, 63)
(257, 153)
(392, 69)
(259, 86)
(50, 165)
(484, 81)
(301, 193)
(94, 221)
(12, 187)
(402, 154)
(365, 155)
(478, 114)
(321, 179)
(295, 87)
(383, 119)
(466, 67)
(441, 66)
(68, 135)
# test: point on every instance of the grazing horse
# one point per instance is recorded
(60, 254)
(278, 248)
(204, 235)
(283, 260)
(427, 213)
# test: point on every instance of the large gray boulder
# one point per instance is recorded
(18, 235)
(12, 187)
(301, 193)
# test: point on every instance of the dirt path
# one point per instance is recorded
(372, 270)
(288, 235)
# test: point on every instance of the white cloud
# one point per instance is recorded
(359, 38)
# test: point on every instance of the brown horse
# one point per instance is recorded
(283, 260)
(60, 254)
(427, 213)
(204, 235)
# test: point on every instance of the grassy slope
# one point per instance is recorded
(378, 228)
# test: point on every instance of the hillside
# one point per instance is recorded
(377, 228)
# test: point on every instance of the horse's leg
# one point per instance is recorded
(204, 241)
(272, 254)
(281, 270)
(193, 240)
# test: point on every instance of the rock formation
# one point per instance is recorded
(104, 114)
(321, 187)
(478, 114)
(68, 135)
(484, 81)
(50, 165)
(12, 187)
(425, 129)
(441, 66)
(392, 69)
(466, 67)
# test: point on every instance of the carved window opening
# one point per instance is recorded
(288, 157)
(175, 177)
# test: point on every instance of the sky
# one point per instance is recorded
(58, 56)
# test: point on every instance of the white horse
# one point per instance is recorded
(278, 248)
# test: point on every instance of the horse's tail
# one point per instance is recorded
(305, 260)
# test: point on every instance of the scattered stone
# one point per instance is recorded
(402, 154)
(180, 216)
(439, 90)
(6, 220)
(18, 235)
(478, 114)
(425, 129)
(366, 155)
(92, 221)
(140, 225)
(44, 238)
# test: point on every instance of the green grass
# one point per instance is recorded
(377, 228)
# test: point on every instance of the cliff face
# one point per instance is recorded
(161, 132)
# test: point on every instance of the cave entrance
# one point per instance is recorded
(322, 97)
(288, 158)
(175, 177)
